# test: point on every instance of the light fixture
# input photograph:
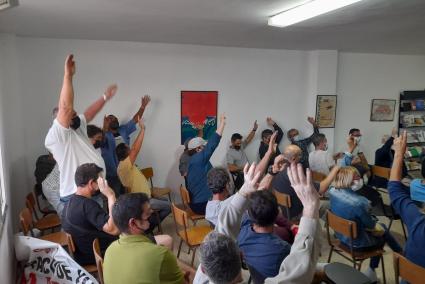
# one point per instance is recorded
(306, 11)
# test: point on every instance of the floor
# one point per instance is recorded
(169, 228)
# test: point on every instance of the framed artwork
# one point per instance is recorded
(382, 110)
(326, 111)
(198, 114)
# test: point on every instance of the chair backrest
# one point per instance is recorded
(340, 225)
(30, 204)
(25, 218)
(71, 245)
(317, 177)
(381, 172)
(407, 270)
(38, 192)
(148, 173)
(99, 259)
(180, 219)
(283, 199)
(184, 193)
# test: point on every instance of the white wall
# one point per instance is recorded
(363, 77)
(252, 84)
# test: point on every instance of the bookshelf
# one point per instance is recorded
(412, 119)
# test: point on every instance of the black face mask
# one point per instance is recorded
(75, 122)
(114, 125)
(98, 144)
(237, 147)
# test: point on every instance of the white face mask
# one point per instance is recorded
(357, 184)
(358, 139)
(296, 138)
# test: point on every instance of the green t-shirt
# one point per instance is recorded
(135, 259)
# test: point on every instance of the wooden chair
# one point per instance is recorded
(192, 236)
(50, 221)
(27, 226)
(90, 268)
(283, 200)
(184, 193)
(383, 173)
(156, 191)
(99, 259)
(317, 177)
(349, 229)
(407, 270)
(38, 193)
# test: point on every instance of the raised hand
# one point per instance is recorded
(311, 120)
(70, 66)
(251, 180)
(145, 100)
(223, 119)
(394, 132)
(255, 127)
(280, 163)
(272, 143)
(352, 143)
(305, 190)
(111, 91)
(400, 144)
(104, 187)
(270, 121)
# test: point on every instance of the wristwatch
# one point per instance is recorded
(270, 171)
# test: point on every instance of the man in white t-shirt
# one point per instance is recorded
(67, 137)
(320, 160)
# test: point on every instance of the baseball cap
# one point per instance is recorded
(196, 142)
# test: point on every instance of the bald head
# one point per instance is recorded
(292, 153)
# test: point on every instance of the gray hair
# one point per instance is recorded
(220, 258)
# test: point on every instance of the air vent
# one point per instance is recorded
(4, 4)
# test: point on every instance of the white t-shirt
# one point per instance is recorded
(214, 208)
(71, 148)
(320, 161)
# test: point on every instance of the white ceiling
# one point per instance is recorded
(382, 26)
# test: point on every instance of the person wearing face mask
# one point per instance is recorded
(303, 143)
(84, 219)
(345, 203)
(67, 138)
(137, 257)
(200, 153)
(265, 140)
(236, 156)
(320, 160)
(116, 134)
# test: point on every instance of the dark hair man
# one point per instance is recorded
(265, 140)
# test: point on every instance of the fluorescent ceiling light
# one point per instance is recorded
(306, 11)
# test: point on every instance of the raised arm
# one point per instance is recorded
(220, 127)
(262, 165)
(145, 101)
(280, 163)
(276, 127)
(324, 184)
(110, 226)
(137, 145)
(315, 128)
(66, 99)
(95, 107)
(251, 134)
(348, 156)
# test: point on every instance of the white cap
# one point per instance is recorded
(196, 142)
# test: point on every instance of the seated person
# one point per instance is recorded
(347, 204)
(200, 153)
(265, 140)
(136, 257)
(184, 157)
(51, 190)
(84, 219)
(296, 139)
(281, 183)
(410, 213)
(115, 134)
(236, 156)
(220, 256)
(320, 160)
(133, 179)
(262, 250)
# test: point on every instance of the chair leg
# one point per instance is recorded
(193, 256)
(188, 250)
(180, 248)
(330, 254)
(404, 230)
(390, 224)
(383, 269)
(360, 265)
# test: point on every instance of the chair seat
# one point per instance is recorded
(193, 216)
(48, 222)
(195, 234)
(342, 273)
(57, 237)
(359, 255)
(90, 268)
(159, 191)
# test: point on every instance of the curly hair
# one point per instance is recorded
(217, 180)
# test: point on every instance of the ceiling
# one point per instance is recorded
(377, 26)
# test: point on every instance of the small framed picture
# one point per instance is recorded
(382, 110)
(326, 111)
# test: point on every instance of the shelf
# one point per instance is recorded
(416, 126)
(413, 110)
(416, 142)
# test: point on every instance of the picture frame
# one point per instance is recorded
(382, 110)
(326, 111)
(198, 114)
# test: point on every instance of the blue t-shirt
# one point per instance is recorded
(263, 252)
(417, 190)
(199, 165)
(108, 149)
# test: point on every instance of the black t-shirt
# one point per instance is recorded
(282, 184)
(83, 219)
